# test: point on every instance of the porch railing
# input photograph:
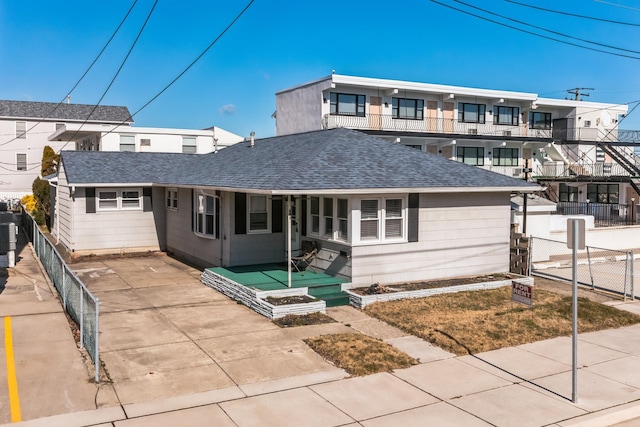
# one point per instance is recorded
(604, 214)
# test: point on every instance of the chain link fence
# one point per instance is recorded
(81, 305)
(598, 268)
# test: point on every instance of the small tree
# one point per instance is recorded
(41, 188)
(50, 161)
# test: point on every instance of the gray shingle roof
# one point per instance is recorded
(337, 159)
(64, 112)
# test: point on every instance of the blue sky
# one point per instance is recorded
(45, 47)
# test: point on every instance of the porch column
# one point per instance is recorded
(289, 241)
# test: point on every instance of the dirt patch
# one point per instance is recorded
(293, 320)
(378, 288)
(474, 322)
(359, 354)
(291, 299)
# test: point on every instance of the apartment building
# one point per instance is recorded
(573, 147)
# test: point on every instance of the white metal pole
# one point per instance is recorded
(574, 307)
(289, 241)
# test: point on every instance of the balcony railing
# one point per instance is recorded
(604, 214)
(580, 169)
(512, 171)
(386, 122)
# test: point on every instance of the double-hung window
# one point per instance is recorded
(404, 108)
(470, 155)
(471, 113)
(506, 115)
(21, 130)
(538, 120)
(258, 214)
(207, 215)
(172, 199)
(382, 219)
(343, 219)
(505, 157)
(346, 104)
(127, 143)
(329, 218)
(315, 215)
(21, 161)
(119, 199)
(189, 145)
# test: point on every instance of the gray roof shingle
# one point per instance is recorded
(66, 112)
(337, 159)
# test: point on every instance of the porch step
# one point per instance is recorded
(335, 299)
(319, 291)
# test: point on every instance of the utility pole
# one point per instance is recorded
(576, 91)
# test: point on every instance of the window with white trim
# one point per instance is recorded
(207, 215)
(172, 199)
(21, 130)
(189, 145)
(258, 214)
(119, 199)
(343, 219)
(382, 220)
(327, 216)
(314, 211)
(21, 161)
(127, 143)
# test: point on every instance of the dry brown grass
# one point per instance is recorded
(473, 322)
(359, 354)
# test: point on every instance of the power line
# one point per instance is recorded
(48, 115)
(546, 29)
(104, 93)
(187, 68)
(618, 5)
(593, 18)
(532, 33)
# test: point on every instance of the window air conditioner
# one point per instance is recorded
(506, 133)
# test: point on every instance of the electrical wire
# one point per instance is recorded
(593, 18)
(618, 5)
(546, 29)
(532, 33)
(104, 93)
(48, 115)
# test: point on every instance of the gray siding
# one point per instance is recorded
(459, 235)
(300, 110)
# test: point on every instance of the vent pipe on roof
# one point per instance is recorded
(68, 99)
(253, 137)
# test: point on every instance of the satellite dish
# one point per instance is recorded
(605, 118)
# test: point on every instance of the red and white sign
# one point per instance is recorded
(522, 293)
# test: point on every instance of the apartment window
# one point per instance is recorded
(471, 113)
(21, 130)
(505, 157)
(207, 215)
(567, 194)
(189, 145)
(127, 143)
(415, 146)
(327, 216)
(125, 199)
(382, 219)
(404, 108)
(506, 115)
(345, 104)
(603, 193)
(21, 161)
(258, 214)
(172, 199)
(343, 219)
(539, 120)
(470, 155)
(315, 215)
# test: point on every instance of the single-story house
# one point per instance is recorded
(377, 211)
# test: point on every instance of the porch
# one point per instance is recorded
(274, 277)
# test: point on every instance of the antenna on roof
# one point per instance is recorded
(576, 91)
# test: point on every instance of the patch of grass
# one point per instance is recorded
(292, 320)
(359, 354)
(474, 322)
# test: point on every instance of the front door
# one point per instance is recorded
(375, 113)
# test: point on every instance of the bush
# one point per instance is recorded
(39, 217)
(29, 202)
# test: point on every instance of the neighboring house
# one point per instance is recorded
(378, 211)
(572, 147)
(159, 140)
(24, 130)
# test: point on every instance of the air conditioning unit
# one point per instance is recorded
(506, 133)
(472, 131)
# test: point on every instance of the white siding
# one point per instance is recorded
(164, 140)
(62, 222)
(459, 234)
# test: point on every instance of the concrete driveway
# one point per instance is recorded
(164, 334)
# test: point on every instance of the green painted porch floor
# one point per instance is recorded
(269, 277)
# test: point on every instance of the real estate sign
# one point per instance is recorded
(522, 293)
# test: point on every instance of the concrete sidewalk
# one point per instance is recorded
(528, 385)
